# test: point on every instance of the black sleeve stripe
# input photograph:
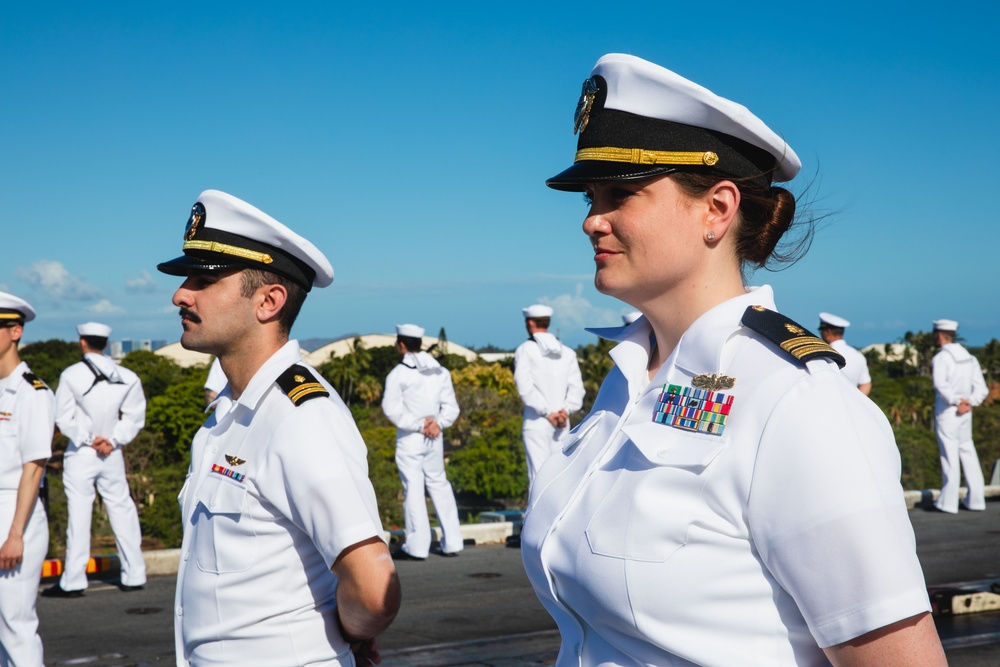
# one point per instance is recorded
(791, 337)
(35, 381)
(300, 385)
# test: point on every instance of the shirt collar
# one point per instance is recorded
(266, 375)
(699, 349)
(9, 383)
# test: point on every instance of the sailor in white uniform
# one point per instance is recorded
(547, 376)
(419, 399)
(958, 387)
(100, 407)
(730, 499)
(27, 420)
(283, 560)
(215, 382)
(831, 330)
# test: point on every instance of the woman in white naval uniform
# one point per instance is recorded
(27, 420)
(731, 499)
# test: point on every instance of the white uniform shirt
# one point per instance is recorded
(547, 376)
(216, 380)
(957, 375)
(27, 418)
(114, 408)
(651, 545)
(856, 369)
(416, 388)
(274, 494)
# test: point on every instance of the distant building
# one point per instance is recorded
(342, 346)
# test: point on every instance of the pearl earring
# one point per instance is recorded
(710, 236)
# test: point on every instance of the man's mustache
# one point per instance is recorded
(187, 314)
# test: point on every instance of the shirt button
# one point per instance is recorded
(180, 611)
(186, 554)
(662, 453)
(213, 449)
(213, 503)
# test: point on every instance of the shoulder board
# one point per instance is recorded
(793, 338)
(34, 381)
(300, 385)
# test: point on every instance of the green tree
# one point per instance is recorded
(157, 372)
(48, 359)
(595, 364)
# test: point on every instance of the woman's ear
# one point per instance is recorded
(723, 201)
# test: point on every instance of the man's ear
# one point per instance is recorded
(272, 299)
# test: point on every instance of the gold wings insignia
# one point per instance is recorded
(713, 382)
(235, 460)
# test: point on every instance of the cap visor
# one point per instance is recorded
(185, 265)
(576, 178)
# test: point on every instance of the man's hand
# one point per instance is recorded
(964, 406)
(431, 428)
(11, 552)
(558, 419)
(102, 446)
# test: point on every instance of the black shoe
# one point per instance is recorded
(56, 591)
(125, 588)
(446, 554)
(403, 555)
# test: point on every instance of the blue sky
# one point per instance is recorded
(411, 141)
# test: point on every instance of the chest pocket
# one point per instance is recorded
(656, 495)
(225, 539)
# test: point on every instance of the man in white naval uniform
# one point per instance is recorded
(831, 330)
(419, 400)
(27, 414)
(548, 380)
(100, 407)
(282, 561)
(958, 387)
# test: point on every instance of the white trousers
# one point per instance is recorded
(20, 645)
(421, 465)
(958, 455)
(82, 470)
(541, 440)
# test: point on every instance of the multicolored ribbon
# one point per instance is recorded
(693, 409)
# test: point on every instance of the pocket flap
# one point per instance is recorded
(221, 495)
(667, 445)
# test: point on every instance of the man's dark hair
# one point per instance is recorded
(254, 279)
(95, 342)
(836, 331)
(541, 322)
(411, 343)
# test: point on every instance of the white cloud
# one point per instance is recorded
(53, 278)
(104, 307)
(144, 283)
(574, 311)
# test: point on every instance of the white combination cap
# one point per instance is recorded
(832, 320)
(225, 233)
(637, 119)
(409, 330)
(945, 325)
(537, 310)
(14, 310)
(629, 318)
(94, 329)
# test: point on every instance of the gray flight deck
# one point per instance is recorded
(478, 609)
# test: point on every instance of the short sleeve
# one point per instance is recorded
(316, 473)
(35, 431)
(827, 515)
